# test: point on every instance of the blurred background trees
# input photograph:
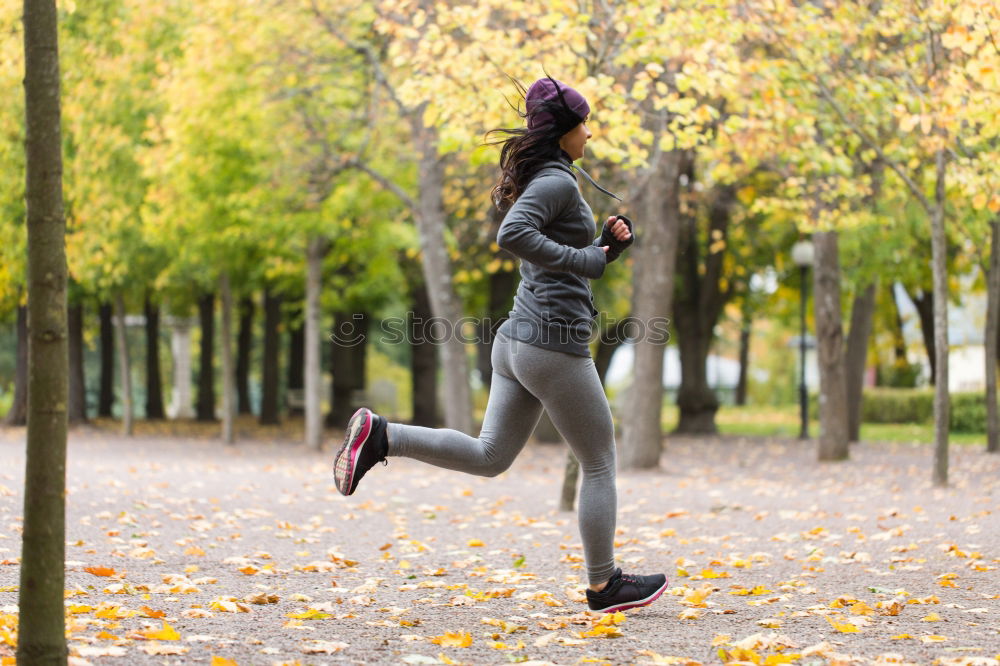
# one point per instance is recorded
(288, 207)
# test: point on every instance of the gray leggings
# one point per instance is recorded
(527, 378)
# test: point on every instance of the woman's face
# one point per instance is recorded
(573, 141)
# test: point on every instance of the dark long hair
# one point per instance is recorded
(523, 151)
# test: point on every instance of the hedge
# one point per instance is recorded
(893, 405)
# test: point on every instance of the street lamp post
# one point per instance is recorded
(803, 254)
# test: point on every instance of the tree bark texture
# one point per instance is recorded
(501, 285)
(699, 300)
(898, 340)
(423, 360)
(939, 264)
(124, 365)
(106, 395)
(205, 403)
(41, 624)
(296, 357)
(746, 326)
(18, 413)
(154, 380)
(924, 302)
(315, 252)
(269, 408)
(655, 253)
(992, 331)
(862, 315)
(444, 300)
(244, 346)
(348, 352)
(228, 365)
(833, 439)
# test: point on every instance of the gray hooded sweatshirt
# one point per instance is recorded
(551, 229)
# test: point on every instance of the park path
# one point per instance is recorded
(249, 554)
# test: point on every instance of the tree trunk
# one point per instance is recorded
(611, 339)
(939, 263)
(698, 302)
(423, 359)
(106, 397)
(154, 382)
(228, 371)
(991, 333)
(862, 313)
(348, 347)
(41, 624)
(901, 364)
(655, 253)
(571, 477)
(830, 349)
(244, 345)
(77, 387)
(296, 357)
(746, 326)
(502, 284)
(317, 249)
(124, 365)
(924, 302)
(445, 303)
(269, 409)
(18, 413)
(205, 406)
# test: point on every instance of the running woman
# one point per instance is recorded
(541, 356)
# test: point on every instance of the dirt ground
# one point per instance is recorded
(185, 551)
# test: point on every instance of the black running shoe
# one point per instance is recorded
(364, 445)
(625, 591)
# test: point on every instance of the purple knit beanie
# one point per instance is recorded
(547, 90)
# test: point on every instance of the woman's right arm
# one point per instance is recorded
(544, 199)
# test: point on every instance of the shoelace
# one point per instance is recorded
(629, 578)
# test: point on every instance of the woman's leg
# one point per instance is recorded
(571, 392)
(511, 415)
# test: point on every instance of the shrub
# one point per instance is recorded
(968, 412)
(890, 405)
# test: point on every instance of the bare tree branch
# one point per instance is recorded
(385, 182)
(364, 49)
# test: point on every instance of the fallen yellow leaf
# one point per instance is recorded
(149, 612)
(475, 543)
(609, 619)
(933, 617)
(453, 639)
(602, 631)
(100, 571)
(165, 633)
(309, 614)
(843, 628)
(222, 661)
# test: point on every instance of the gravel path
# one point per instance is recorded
(248, 553)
